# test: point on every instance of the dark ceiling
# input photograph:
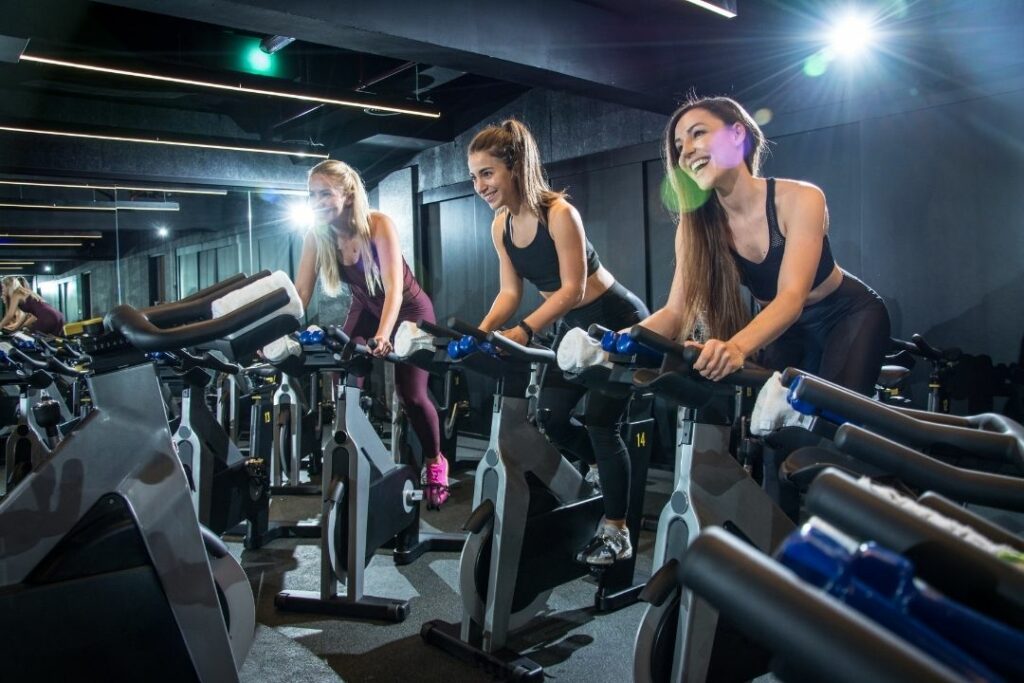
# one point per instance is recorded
(464, 59)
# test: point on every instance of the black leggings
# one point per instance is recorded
(601, 439)
(843, 338)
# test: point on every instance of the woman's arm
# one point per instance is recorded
(305, 279)
(23, 321)
(510, 291)
(389, 250)
(805, 216)
(14, 317)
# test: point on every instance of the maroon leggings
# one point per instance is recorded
(410, 381)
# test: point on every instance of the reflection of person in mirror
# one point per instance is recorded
(23, 308)
(351, 244)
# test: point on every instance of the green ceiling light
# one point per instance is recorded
(258, 61)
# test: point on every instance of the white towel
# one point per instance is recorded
(282, 347)
(234, 300)
(409, 339)
(772, 411)
(578, 351)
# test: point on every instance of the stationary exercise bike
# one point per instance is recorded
(106, 524)
(370, 501)
(681, 638)
(532, 512)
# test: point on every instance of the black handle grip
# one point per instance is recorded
(665, 345)
(435, 330)
(530, 354)
(466, 329)
(60, 368)
(596, 331)
(26, 359)
(931, 353)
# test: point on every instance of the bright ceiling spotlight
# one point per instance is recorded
(162, 231)
(850, 35)
(47, 268)
(301, 215)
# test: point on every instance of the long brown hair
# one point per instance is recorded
(345, 178)
(512, 142)
(711, 291)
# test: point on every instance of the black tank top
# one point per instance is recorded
(538, 261)
(762, 279)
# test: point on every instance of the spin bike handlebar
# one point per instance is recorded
(208, 361)
(529, 354)
(1004, 444)
(141, 332)
(922, 471)
(51, 364)
(808, 631)
(198, 305)
(749, 376)
(352, 348)
(435, 330)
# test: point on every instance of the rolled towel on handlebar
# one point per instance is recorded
(240, 297)
(578, 350)
(409, 338)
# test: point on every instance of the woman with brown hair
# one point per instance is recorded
(539, 236)
(736, 228)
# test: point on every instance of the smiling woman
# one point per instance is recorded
(772, 236)
(539, 236)
(351, 244)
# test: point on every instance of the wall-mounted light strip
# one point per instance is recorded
(4, 245)
(17, 263)
(227, 86)
(87, 186)
(114, 206)
(725, 8)
(82, 236)
(157, 141)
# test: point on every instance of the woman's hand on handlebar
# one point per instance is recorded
(382, 346)
(717, 358)
(516, 334)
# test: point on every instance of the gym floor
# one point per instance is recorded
(571, 641)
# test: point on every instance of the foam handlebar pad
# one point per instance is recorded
(238, 298)
(578, 350)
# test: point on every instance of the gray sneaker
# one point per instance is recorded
(594, 479)
(614, 546)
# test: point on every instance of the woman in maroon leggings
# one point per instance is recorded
(25, 308)
(360, 247)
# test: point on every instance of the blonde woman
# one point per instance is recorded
(25, 308)
(737, 228)
(357, 246)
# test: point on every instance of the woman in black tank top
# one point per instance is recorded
(771, 235)
(539, 237)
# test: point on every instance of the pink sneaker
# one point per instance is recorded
(435, 483)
